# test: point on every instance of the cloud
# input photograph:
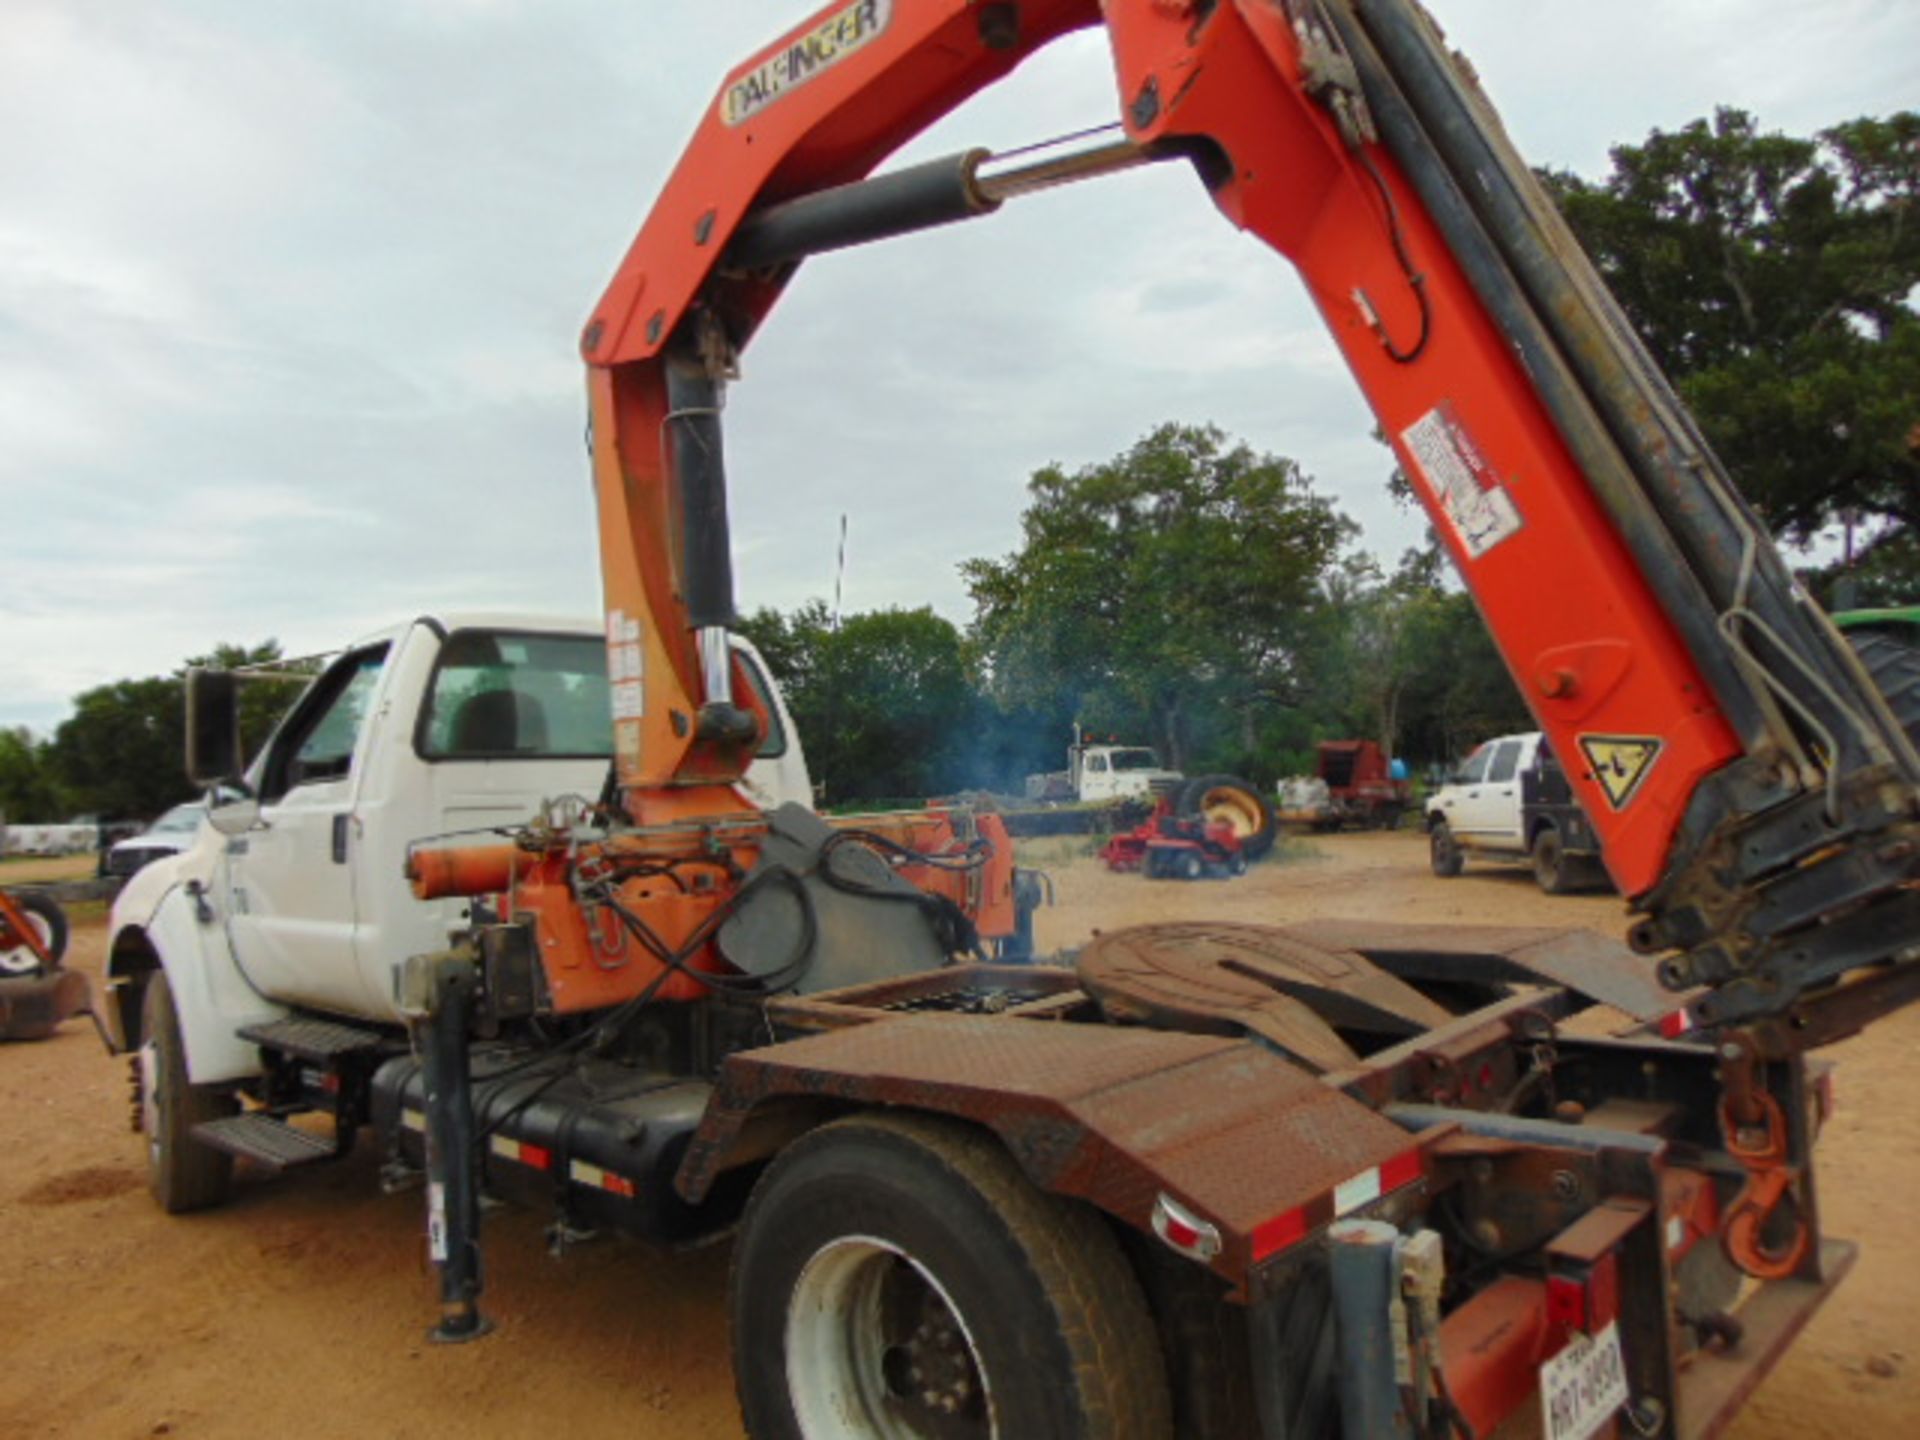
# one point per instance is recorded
(289, 296)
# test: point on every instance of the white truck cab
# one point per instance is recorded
(1116, 772)
(295, 896)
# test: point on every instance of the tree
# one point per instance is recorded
(28, 792)
(1165, 590)
(121, 754)
(884, 703)
(1774, 278)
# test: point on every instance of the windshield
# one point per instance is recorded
(1135, 760)
(181, 820)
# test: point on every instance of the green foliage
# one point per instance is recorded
(1774, 278)
(28, 792)
(121, 754)
(1407, 662)
(884, 703)
(1165, 592)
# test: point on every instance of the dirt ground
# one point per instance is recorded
(300, 1308)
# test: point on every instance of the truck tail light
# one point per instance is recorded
(1185, 1231)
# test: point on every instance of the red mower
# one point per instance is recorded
(1169, 846)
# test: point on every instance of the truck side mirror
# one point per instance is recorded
(213, 727)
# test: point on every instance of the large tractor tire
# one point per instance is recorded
(50, 924)
(1894, 664)
(1231, 799)
(183, 1174)
(897, 1276)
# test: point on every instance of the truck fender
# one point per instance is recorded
(210, 993)
(1128, 1120)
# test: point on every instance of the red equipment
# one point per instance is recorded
(1673, 646)
(36, 992)
(1756, 798)
(1169, 846)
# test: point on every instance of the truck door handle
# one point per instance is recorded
(340, 839)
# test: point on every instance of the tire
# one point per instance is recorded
(1443, 851)
(1188, 865)
(1895, 668)
(1205, 1340)
(1553, 872)
(46, 916)
(1233, 800)
(1236, 864)
(182, 1173)
(887, 1258)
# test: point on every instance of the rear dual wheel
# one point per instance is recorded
(898, 1278)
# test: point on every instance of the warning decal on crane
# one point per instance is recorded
(1620, 763)
(1477, 506)
(799, 60)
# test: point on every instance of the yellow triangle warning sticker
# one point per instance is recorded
(1620, 763)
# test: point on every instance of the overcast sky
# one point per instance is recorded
(289, 295)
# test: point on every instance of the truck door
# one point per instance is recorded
(1095, 782)
(1487, 815)
(289, 893)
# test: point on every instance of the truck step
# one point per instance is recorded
(321, 1042)
(265, 1140)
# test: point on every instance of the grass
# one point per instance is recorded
(39, 869)
(1037, 852)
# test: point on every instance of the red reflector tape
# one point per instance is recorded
(1275, 1235)
(582, 1173)
(534, 1155)
(1272, 1236)
(1673, 1026)
(1403, 1170)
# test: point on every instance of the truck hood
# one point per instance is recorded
(141, 895)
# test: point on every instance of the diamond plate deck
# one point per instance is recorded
(1111, 1114)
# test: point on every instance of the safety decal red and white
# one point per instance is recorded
(538, 1156)
(1291, 1226)
(581, 1173)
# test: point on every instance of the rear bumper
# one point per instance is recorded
(1495, 1345)
(1713, 1387)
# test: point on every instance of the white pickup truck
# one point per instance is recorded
(1510, 801)
(294, 896)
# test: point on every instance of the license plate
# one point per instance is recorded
(1582, 1386)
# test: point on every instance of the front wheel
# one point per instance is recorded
(898, 1278)
(49, 924)
(1443, 851)
(182, 1173)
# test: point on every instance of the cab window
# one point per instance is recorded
(516, 695)
(1506, 759)
(775, 743)
(323, 731)
(1475, 770)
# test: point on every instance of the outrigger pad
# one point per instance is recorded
(32, 1009)
(860, 937)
